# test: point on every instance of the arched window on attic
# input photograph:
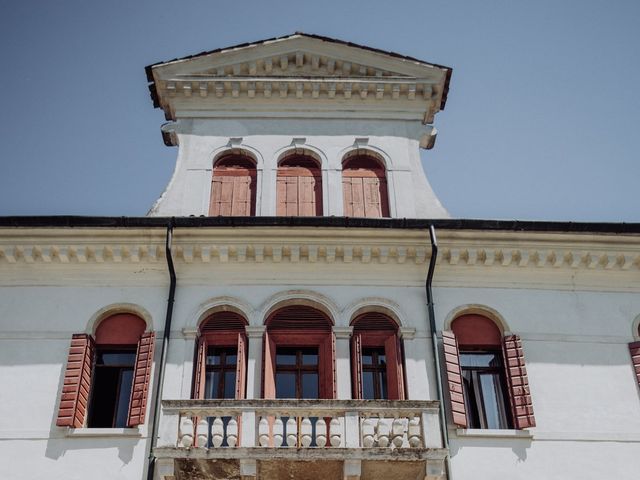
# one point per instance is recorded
(364, 187)
(299, 187)
(233, 187)
(634, 350)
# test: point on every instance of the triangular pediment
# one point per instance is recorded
(294, 68)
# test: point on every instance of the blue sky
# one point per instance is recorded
(541, 121)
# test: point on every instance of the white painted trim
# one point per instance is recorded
(103, 432)
(478, 309)
(493, 433)
(635, 328)
(116, 308)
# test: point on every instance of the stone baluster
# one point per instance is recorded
(305, 432)
(202, 433)
(232, 432)
(335, 432)
(185, 432)
(321, 432)
(414, 432)
(263, 432)
(217, 432)
(397, 432)
(383, 432)
(278, 432)
(292, 432)
(368, 432)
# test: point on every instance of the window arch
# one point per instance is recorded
(233, 186)
(107, 376)
(376, 358)
(299, 187)
(364, 187)
(299, 348)
(634, 350)
(221, 357)
(488, 383)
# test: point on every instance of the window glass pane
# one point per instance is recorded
(367, 386)
(231, 358)
(229, 385)
(213, 356)
(116, 358)
(382, 360)
(367, 356)
(285, 356)
(492, 400)
(211, 383)
(310, 357)
(124, 394)
(310, 385)
(478, 360)
(383, 385)
(285, 385)
(470, 400)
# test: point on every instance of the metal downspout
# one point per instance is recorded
(434, 341)
(163, 354)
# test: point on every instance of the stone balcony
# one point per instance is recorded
(299, 439)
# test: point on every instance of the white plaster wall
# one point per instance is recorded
(203, 140)
(586, 401)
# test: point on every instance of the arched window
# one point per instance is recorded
(634, 350)
(299, 354)
(299, 187)
(488, 383)
(233, 187)
(221, 357)
(376, 358)
(107, 377)
(364, 187)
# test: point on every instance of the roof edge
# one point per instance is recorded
(72, 221)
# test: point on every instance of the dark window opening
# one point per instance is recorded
(297, 374)
(485, 389)
(111, 391)
(220, 380)
(374, 374)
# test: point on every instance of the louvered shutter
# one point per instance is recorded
(395, 382)
(268, 368)
(454, 378)
(518, 383)
(199, 370)
(356, 365)
(77, 382)
(241, 367)
(634, 350)
(141, 379)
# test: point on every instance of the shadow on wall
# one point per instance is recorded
(518, 446)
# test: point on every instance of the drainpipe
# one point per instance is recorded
(434, 341)
(163, 354)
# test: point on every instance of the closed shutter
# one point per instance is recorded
(356, 365)
(77, 382)
(395, 382)
(141, 380)
(364, 188)
(454, 377)
(232, 195)
(268, 367)
(199, 370)
(241, 367)
(307, 196)
(518, 383)
(634, 350)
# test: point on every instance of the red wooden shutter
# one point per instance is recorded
(141, 377)
(233, 188)
(518, 383)
(268, 368)
(199, 368)
(356, 365)
(395, 380)
(77, 382)
(307, 196)
(454, 377)
(241, 367)
(634, 350)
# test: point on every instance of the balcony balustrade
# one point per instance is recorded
(349, 431)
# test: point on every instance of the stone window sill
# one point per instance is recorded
(103, 432)
(491, 433)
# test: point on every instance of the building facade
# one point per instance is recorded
(298, 303)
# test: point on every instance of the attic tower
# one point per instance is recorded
(299, 125)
